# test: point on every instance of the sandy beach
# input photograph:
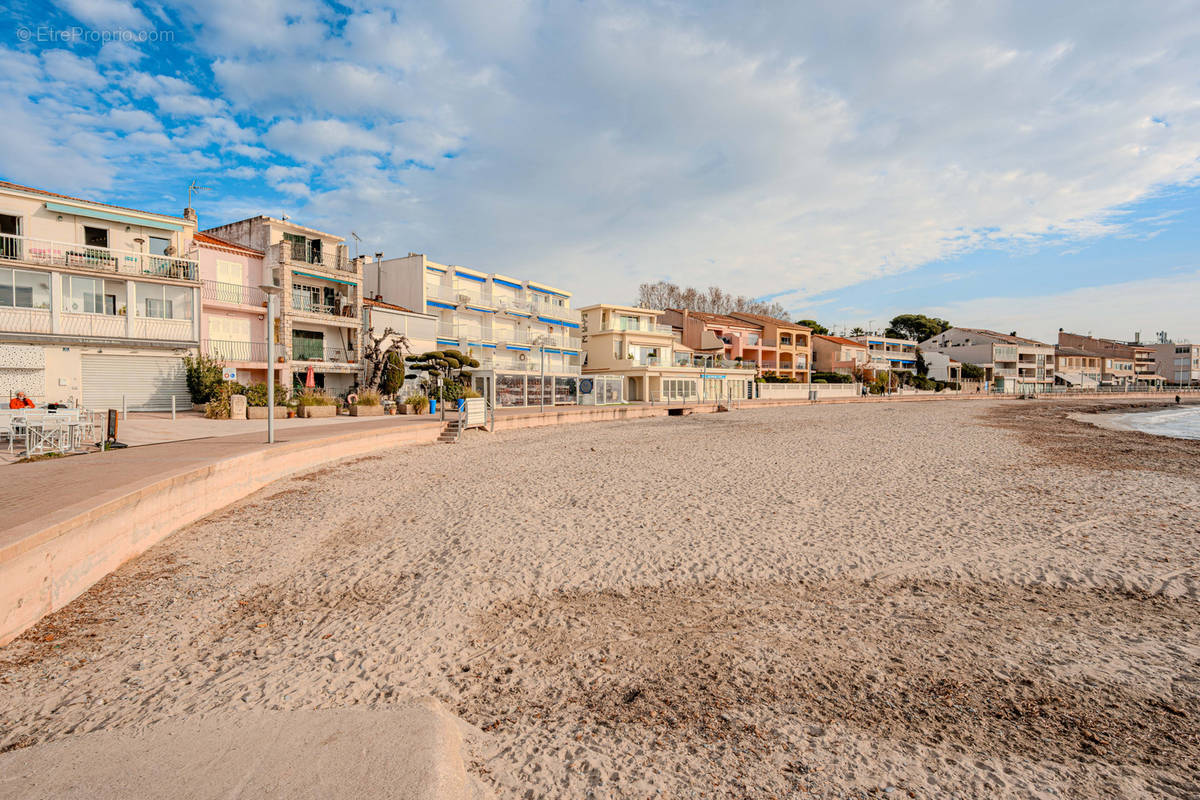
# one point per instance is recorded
(944, 599)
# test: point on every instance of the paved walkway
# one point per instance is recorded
(31, 491)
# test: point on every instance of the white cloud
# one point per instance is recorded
(314, 140)
(106, 14)
(1117, 311)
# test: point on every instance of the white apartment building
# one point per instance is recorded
(1178, 362)
(320, 307)
(524, 333)
(889, 354)
(98, 303)
(1017, 364)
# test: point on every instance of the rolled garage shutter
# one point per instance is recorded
(146, 383)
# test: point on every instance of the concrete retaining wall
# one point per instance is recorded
(48, 567)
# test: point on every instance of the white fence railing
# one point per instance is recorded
(46, 252)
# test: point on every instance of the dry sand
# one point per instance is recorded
(953, 599)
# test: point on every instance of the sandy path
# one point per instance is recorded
(929, 598)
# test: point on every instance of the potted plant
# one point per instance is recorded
(315, 403)
(256, 401)
(414, 404)
(368, 404)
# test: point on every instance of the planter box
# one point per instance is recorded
(308, 412)
(406, 409)
(260, 412)
(366, 411)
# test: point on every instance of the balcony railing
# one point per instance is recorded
(250, 352)
(345, 309)
(314, 351)
(48, 253)
(24, 320)
(299, 253)
(235, 293)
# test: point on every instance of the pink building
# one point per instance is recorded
(233, 325)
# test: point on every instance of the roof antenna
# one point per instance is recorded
(357, 242)
(196, 188)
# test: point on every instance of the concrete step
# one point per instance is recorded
(411, 751)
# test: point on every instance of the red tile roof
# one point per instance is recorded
(19, 188)
(381, 304)
(209, 239)
(840, 340)
(779, 323)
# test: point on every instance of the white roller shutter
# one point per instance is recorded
(145, 382)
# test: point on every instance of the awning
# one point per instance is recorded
(469, 276)
(507, 283)
(436, 304)
(81, 211)
(323, 277)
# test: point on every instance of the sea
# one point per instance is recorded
(1180, 423)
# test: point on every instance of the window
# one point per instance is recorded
(24, 289)
(95, 237)
(83, 295)
(162, 301)
(308, 345)
(159, 245)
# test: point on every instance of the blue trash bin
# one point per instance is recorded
(433, 405)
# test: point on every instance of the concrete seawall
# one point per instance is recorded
(46, 563)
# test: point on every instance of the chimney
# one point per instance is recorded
(189, 214)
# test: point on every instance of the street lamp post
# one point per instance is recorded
(272, 292)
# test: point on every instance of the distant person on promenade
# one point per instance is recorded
(20, 401)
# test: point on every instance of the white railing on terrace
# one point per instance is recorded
(309, 351)
(48, 253)
(220, 292)
(346, 309)
(24, 320)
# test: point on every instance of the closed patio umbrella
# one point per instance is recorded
(310, 380)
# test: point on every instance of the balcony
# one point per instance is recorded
(232, 293)
(48, 253)
(299, 254)
(346, 309)
(307, 350)
(24, 320)
(116, 326)
(240, 352)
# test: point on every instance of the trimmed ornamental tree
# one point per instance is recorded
(385, 367)
(205, 377)
(449, 365)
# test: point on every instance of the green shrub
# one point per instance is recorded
(315, 397)
(418, 400)
(204, 377)
(369, 397)
(218, 405)
(256, 395)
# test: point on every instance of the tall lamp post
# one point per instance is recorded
(272, 292)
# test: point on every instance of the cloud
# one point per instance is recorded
(106, 14)
(314, 140)
(1117, 311)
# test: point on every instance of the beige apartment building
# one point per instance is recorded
(1178, 362)
(840, 355)
(1076, 368)
(792, 343)
(320, 307)
(1122, 364)
(631, 356)
(1013, 363)
(98, 303)
(889, 354)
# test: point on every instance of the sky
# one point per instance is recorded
(1016, 166)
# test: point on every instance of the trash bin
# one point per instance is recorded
(433, 405)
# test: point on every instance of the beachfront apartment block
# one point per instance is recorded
(1178, 362)
(320, 305)
(98, 303)
(1122, 364)
(632, 356)
(889, 354)
(524, 333)
(840, 355)
(1012, 363)
(941, 367)
(766, 344)
(1076, 368)
(233, 326)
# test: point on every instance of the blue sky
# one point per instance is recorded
(1006, 165)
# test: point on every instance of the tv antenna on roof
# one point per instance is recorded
(196, 188)
(357, 242)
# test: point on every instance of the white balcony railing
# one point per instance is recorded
(48, 253)
(232, 293)
(332, 259)
(24, 320)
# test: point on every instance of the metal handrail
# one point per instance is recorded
(47, 252)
